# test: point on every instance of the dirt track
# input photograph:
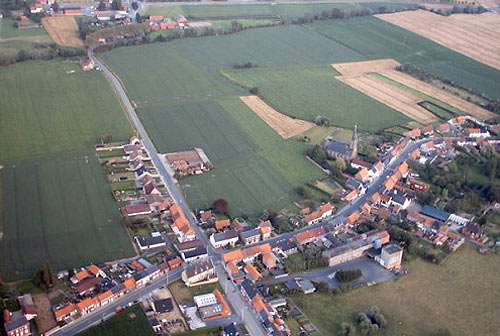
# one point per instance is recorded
(63, 30)
(476, 36)
(284, 125)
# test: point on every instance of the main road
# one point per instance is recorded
(233, 295)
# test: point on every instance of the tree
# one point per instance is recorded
(101, 6)
(254, 91)
(304, 192)
(221, 206)
(116, 5)
(347, 329)
(138, 17)
(348, 275)
(135, 6)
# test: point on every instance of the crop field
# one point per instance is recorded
(59, 210)
(473, 35)
(307, 92)
(289, 11)
(374, 38)
(45, 109)
(204, 124)
(56, 204)
(63, 30)
(461, 295)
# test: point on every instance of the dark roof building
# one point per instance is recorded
(163, 305)
(435, 213)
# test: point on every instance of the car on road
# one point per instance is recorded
(119, 309)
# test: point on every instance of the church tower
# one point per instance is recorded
(354, 143)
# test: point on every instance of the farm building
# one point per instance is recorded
(189, 162)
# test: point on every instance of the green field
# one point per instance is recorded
(461, 295)
(288, 11)
(185, 100)
(308, 92)
(47, 110)
(56, 202)
(123, 324)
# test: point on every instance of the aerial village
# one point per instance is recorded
(173, 255)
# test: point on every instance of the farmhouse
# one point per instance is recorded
(189, 162)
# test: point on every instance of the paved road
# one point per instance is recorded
(233, 295)
(98, 315)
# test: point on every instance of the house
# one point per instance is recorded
(376, 170)
(63, 313)
(168, 25)
(96, 271)
(252, 272)
(199, 274)
(180, 18)
(189, 162)
(204, 300)
(286, 247)
(360, 164)
(251, 236)
(353, 217)
(249, 290)
(15, 324)
(79, 276)
(306, 286)
(87, 286)
(197, 253)
(87, 305)
(163, 306)
(427, 130)
(206, 216)
(269, 260)
(118, 290)
(27, 306)
(136, 210)
(363, 176)
(310, 235)
(324, 211)
(266, 229)
(391, 257)
(156, 240)
(224, 238)
(143, 277)
(221, 224)
(474, 232)
(351, 195)
(129, 284)
(230, 330)
(188, 245)
(105, 298)
(476, 133)
(87, 64)
(414, 133)
(399, 198)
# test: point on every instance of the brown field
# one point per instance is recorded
(439, 94)
(285, 126)
(473, 35)
(44, 310)
(361, 68)
(63, 30)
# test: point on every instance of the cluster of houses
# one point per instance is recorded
(229, 233)
(185, 163)
(158, 22)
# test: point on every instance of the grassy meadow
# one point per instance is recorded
(56, 202)
(462, 295)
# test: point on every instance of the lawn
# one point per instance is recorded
(56, 203)
(308, 92)
(461, 295)
(123, 324)
(180, 292)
